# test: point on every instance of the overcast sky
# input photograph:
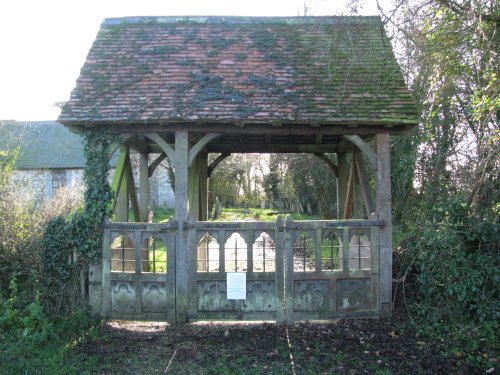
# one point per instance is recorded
(43, 43)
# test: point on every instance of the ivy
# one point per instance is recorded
(98, 194)
(80, 233)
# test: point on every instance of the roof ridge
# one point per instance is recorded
(330, 20)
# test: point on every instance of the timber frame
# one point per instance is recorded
(184, 87)
(189, 151)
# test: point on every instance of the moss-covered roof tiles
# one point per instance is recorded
(338, 70)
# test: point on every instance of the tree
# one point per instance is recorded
(446, 175)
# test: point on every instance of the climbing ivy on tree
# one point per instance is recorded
(98, 193)
(81, 232)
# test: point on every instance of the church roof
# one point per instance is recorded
(42, 145)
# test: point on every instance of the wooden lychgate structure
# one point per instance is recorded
(183, 87)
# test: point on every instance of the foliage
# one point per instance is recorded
(445, 180)
(453, 266)
(81, 232)
(39, 273)
(237, 181)
(301, 182)
(32, 342)
(7, 161)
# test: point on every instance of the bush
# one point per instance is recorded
(453, 266)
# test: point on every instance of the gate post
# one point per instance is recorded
(384, 213)
(95, 288)
(106, 274)
(288, 242)
(279, 270)
(181, 214)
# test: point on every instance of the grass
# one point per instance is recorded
(162, 215)
(54, 353)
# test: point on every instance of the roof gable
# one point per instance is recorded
(337, 70)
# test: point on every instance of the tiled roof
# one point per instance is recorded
(338, 70)
(43, 145)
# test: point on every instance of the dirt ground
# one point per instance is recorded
(362, 346)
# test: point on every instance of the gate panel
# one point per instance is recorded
(139, 271)
(216, 248)
(332, 269)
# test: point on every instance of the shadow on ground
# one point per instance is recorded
(360, 346)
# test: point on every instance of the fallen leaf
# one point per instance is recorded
(393, 334)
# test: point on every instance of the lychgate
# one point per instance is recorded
(183, 87)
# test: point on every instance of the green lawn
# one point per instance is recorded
(238, 214)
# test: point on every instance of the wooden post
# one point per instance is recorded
(143, 186)
(181, 215)
(122, 211)
(203, 170)
(342, 181)
(288, 252)
(106, 274)
(132, 195)
(198, 175)
(358, 211)
(119, 173)
(383, 206)
(279, 242)
(349, 199)
(194, 190)
(364, 184)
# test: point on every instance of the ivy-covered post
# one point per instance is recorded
(97, 207)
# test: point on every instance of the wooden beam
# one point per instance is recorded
(364, 184)
(329, 128)
(155, 164)
(132, 194)
(342, 182)
(116, 184)
(120, 165)
(203, 176)
(216, 162)
(165, 147)
(122, 200)
(144, 193)
(138, 143)
(349, 201)
(115, 145)
(330, 163)
(193, 152)
(363, 146)
(358, 211)
(194, 190)
(242, 148)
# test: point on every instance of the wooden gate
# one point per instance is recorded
(302, 270)
(138, 271)
(253, 248)
(332, 269)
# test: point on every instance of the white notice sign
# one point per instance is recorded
(236, 285)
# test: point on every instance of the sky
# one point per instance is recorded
(44, 43)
